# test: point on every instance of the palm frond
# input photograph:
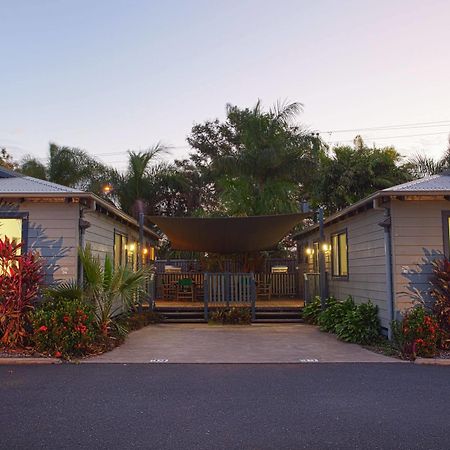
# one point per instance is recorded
(67, 290)
(284, 111)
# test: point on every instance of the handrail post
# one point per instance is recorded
(322, 265)
(253, 296)
(205, 296)
(227, 283)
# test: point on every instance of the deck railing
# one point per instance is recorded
(282, 284)
(228, 265)
(229, 289)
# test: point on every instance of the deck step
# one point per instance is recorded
(195, 314)
(278, 315)
(278, 320)
(181, 315)
(181, 321)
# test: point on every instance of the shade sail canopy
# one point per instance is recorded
(227, 234)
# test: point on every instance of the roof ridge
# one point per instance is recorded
(47, 183)
(413, 182)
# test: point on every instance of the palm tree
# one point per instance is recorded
(423, 166)
(70, 167)
(274, 158)
(135, 189)
(111, 290)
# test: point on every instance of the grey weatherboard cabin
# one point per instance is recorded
(55, 220)
(381, 248)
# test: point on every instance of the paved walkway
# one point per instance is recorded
(261, 343)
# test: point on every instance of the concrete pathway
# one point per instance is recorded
(258, 343)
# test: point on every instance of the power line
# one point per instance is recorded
(395, 137)
(440, 123)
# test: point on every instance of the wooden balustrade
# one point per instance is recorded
(281, 284)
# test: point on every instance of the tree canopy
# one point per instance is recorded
(255, 161)
(347, 174)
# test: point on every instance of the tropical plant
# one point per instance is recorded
(311, 311)
(135, 188)
(111, 290)
(232, 316)
(360, 325)
(334, 313)
(256, 161)
(64, 327)
(417, 334)
(20, 279)
(422, 165)
(440, 291)
(70, 167)
(348, 174)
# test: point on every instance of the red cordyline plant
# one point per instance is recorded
(20, 279)
(441, 293)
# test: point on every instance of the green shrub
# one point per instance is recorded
(440, 291)
(418, 334)
(311, 311)
(64, 328)
(232, 316)
(360, 324)
(334, 314)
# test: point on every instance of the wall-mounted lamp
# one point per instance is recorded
(132, 247)
(326, 247)
(107, 188)
(145, 251)
(309, 251)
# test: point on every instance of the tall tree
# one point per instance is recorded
(134, 187)
(6, 160)
(256, 161)
(423, 165)
(348, 174)
(70, 167)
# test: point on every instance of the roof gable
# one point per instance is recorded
(431, 184)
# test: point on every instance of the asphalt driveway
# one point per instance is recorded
(215, 406)
(258, 343)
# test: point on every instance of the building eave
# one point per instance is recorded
(81, 195)
(377, 196)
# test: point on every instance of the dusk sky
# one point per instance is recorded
(109, 76)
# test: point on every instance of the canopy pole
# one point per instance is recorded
(140, 253)
(322, 267)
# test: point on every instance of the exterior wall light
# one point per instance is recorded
(107, 188)
(145, 251)
(309, 251)
(326, 247)
(132, 247)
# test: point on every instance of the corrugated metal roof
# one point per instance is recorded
(30, 185)
(13, 183)
(424, 186)
(428, 184)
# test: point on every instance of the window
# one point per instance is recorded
(13, 225)
(339, 253)
(446, 230)
(316, 257)
(120, 249)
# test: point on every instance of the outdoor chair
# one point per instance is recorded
(264, 289)
(169, 291)
(186, 289)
